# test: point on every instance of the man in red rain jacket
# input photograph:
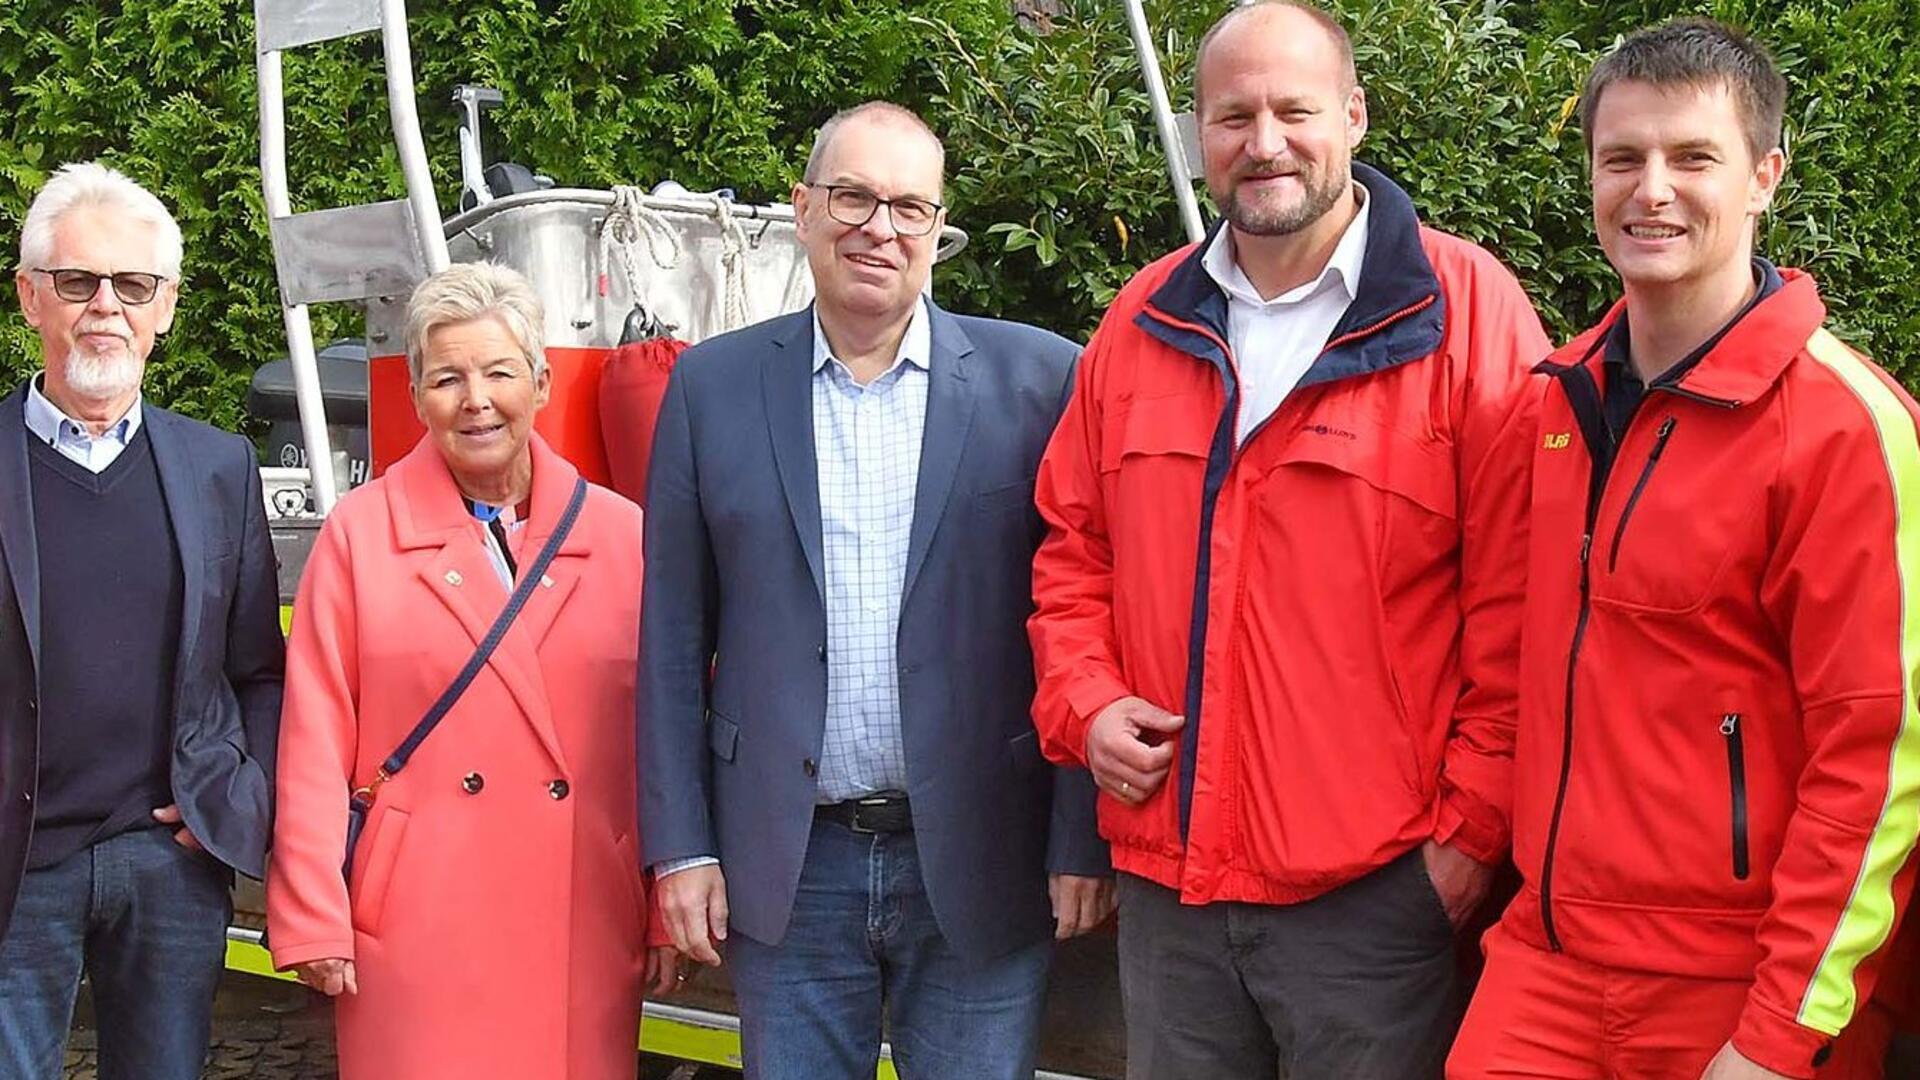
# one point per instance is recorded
(1264, 501)
(1717, 766)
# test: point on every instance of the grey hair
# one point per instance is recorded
(464, 292)
(88, 184)
(886, 110)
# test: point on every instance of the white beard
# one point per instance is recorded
(103, 377)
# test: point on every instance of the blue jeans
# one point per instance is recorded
(863, 941)
(147, 921)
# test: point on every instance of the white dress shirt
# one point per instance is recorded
(1275, 341)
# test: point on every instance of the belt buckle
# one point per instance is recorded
(875, 801)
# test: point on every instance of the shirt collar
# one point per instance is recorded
(1618, 342)
(52, 426)
(916, 347)
(1343, 266)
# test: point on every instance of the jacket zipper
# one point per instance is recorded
(1640, 485)
(1592, 427)
(1566, 748)
(1584, 398)
(1190, 734)
(1737, 776)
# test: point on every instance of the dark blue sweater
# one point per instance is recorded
(111, 593)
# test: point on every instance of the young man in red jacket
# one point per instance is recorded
(1264, 502)
(1717, 765)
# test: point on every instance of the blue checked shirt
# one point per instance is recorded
(866, 445)
(866, 442)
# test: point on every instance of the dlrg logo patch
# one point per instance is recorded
(1557, 440)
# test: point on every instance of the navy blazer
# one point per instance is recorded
(733, 679)
(226, 697)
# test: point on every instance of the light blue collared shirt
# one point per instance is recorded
(72, 438)
(866, 445)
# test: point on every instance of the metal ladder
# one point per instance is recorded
(1179, 138)
(350, 253)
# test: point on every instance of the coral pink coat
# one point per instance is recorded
(498, 914)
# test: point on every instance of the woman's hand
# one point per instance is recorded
(330, 976)
(663, 975)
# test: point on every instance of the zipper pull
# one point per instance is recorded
(1660, 437)
(1729, 724)
(1586, 548)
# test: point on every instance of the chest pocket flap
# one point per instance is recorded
(1420, 470)
(1180, 425)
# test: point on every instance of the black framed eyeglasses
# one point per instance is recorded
(79, 286)
(856, 206)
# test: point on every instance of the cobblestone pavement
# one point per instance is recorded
(262, 1030)
(267, 1030)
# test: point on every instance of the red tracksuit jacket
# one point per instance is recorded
(1718, 756)
(1299, 599)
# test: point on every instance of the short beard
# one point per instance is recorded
(103, 378)
(1318, 197)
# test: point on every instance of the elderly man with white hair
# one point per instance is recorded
(140, 655)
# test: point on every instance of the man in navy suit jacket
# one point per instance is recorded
(840, 784)
(140, 656)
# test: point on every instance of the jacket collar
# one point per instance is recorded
(1746, 360)
(429, 512)
(1397, 314)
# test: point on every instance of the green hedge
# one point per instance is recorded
(1055, 168)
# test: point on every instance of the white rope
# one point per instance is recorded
(628, 224)
(733, 266)
(799, 286)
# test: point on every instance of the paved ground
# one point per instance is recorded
(265, 1030)
(262, 1029)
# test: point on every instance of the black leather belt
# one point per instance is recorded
(873, 814)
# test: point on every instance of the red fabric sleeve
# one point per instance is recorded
(1075, 657)
(1839, 587)
(1496, 410)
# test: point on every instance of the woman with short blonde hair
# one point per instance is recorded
(494, 920)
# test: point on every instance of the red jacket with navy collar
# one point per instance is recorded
(1308, 599)
(1718, 756)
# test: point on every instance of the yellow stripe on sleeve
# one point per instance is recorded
(1830, 1000)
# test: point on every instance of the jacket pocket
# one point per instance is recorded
(1639, 487)
(373, 878)
(1162, 427)
(1024, 751)
(1015, 496)
(1420, 471)
(1737, 786)
(723, 736)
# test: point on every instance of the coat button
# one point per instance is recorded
(558, 789)
(33, 706)
(822, 652)
(453, 577)
(810, 768)
(472, 783)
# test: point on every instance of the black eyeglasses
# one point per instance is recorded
(856, 206)
(79, 286)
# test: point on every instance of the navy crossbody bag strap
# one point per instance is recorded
(528, 582)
